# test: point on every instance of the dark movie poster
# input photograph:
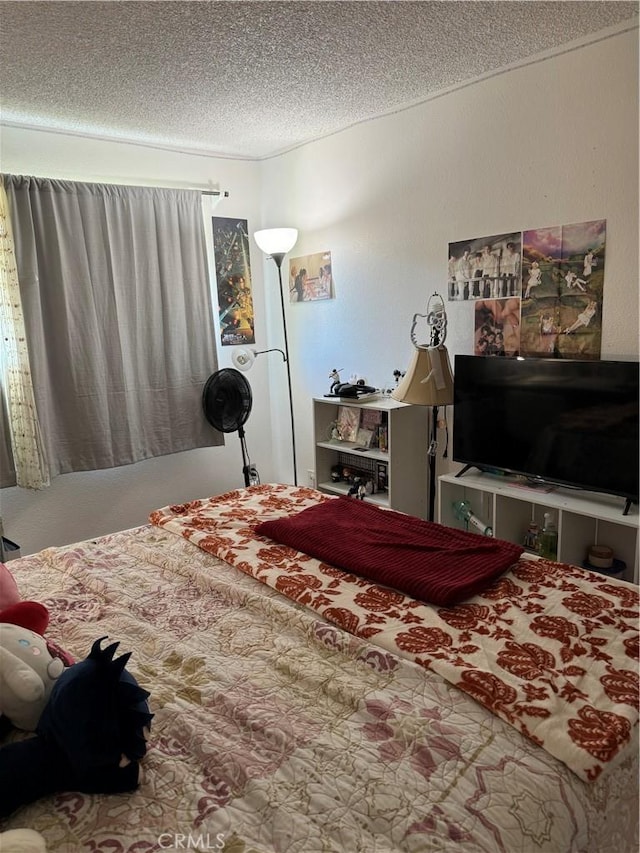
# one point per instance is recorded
(233, 276)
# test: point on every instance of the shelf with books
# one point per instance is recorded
(386, 451)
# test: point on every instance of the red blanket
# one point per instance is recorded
(428, 561)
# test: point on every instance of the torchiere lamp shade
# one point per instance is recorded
(428, 380)
(276, 241)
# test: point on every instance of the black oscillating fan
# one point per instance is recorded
(226, 402)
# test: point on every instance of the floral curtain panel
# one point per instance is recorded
(19, 409)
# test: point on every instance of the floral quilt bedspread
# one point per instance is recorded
(550, 648)
(276, 731)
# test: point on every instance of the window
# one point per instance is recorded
(117, 311)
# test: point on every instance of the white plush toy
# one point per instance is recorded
(27, 675)
(22, 841)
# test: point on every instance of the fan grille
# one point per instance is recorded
(227, 400)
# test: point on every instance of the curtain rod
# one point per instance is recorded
(131, 182)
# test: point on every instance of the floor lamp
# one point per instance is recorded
(276, 242)
(429, 381)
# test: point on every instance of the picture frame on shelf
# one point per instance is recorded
(382, 438)
(371, 419)
(364, 437)
(348, 423)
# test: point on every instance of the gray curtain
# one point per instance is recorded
(117, 306)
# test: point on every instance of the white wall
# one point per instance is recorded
(549, 143)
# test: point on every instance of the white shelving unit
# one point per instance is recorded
(405, 458)
(582, 518)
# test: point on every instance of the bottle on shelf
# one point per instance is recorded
(549, 538)
(463, 512)
(532, 538)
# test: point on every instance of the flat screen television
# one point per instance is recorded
(566, 422)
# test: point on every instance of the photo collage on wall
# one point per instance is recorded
(487, 272)
(233, 277)
(536, 293)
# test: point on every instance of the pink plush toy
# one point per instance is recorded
(8, 588)
(29, 663)
(27, 614)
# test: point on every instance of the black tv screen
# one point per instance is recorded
(565, 422)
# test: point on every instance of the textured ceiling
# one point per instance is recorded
(251, 79)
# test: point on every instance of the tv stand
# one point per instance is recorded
(509, 504)
(464, 470)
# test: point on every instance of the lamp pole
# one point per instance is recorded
(433, 444)
(276, 242)
(278, 257)
(433, 447)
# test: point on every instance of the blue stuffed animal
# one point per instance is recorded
(90, 738)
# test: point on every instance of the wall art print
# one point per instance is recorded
(536, 293)
(233, 277)
(562, 290)
(497, 327)
(311, 278)
(485, 268)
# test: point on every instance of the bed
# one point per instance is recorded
(300, 707)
